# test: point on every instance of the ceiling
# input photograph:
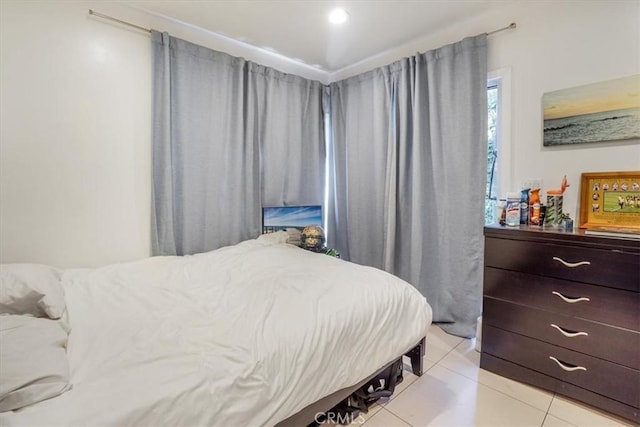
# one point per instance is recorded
(299, 29)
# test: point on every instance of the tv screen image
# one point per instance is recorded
(276, 218)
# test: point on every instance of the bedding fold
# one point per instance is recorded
(246, 335)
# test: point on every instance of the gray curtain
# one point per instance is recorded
(360, 108)
(227, 133)
(424, 162)
(291, 137)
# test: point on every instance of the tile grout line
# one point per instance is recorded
(397, 416)
(407, 387)
(546, 413)
(544, 420)
(502, 392)
(496, 390)
(425, 371)
(550, 403)
(383, 407)
(601, 413)
(447, 353)
(553, 397)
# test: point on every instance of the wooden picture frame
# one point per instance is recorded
(610, 200)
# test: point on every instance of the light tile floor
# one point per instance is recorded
(455, 392)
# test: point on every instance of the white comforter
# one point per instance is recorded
(242, 336)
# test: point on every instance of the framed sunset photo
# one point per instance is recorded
(605, 111)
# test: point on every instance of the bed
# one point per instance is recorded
(247, 335)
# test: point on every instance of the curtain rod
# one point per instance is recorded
(508, 27)
(101, 15)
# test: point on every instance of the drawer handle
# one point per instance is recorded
(567, 367)
(570, 300)
(568, 334)
(571, 264)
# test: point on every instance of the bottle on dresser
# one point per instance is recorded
(513, 209)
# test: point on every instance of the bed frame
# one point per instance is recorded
(307, 415)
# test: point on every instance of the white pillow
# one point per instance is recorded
(274, 238)
(34, 362)
(31, 289)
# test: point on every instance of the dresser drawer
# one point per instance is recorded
(602, 377)
(611, 306)
(593, 338)
(580, 264)
(528, 376)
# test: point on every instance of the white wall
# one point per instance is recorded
(75, 105)
(75, 97)
(75, 139)
(556, 45)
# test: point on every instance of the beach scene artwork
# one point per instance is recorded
(276, 218)
(605, 111)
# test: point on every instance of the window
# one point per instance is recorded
(491, 197)
(498, 148)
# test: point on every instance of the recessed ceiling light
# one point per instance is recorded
(338, 16)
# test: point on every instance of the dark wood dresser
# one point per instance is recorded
(561, 311)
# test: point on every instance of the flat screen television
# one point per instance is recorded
(276, 218)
